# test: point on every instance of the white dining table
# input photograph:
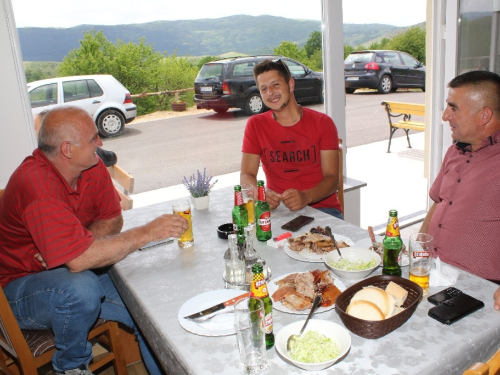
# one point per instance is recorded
(155, 284)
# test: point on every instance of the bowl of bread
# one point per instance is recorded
(356, 263)
(322, 344)
(376, 306)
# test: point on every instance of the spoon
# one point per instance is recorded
(330, 234)
(315, 304)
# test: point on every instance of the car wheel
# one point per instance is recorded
(349, 91)
(254, 104)
(385, 85)
(110, 123)
(221, 109)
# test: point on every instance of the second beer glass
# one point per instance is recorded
(183, 208)
(420, 250)
(248, 198)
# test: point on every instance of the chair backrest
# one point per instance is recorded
(491, 367)
(340, 193)
(126, 185)
(1, 192)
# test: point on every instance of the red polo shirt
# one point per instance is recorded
(466, 222)
(41, 213)
(290, 155)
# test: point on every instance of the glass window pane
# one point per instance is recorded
(408, 60)
(295, 69)
(44, 95)
(94, 88)
(75, 90)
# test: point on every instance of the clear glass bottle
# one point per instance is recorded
(235, 268)
(250, 255)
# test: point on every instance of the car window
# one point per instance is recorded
(94, 88)
(75, 90)
(211, 71)
(295, 69)
(392, 58)
(358, 58)
(43, 95)
(243, 69)
(408, 60)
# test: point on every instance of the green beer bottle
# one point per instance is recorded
(240, 216)
(392, 246)
(262, 214)
(258, 290)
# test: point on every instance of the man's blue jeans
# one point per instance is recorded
(69, 304)
(332, 211)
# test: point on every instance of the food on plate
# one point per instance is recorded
(313, 347)
(353, 265)
(297, 290)
(373, 303)
(316, 241)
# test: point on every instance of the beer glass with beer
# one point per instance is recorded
(183, 208)
(420, 251)
(248, 198)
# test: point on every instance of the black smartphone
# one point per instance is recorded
(297, 223)
(455, 308)
(444, 295)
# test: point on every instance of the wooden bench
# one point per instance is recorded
(398, 109)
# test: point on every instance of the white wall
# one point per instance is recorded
(17, 139)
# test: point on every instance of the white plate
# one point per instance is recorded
(366, 243)
(272, 287)
(307, 256)
(221, 325)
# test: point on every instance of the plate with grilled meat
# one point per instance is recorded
(294, 292)
(312, 246)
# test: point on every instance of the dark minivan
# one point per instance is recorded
(229, 83)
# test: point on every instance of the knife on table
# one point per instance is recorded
(218, 307)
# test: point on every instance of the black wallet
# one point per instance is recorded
(455, 308)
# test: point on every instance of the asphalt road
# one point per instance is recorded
(160, 153)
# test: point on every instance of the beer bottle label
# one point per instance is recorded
(259, 286)
(238, 198)
(264, 221)
(268, 323)
(392, 227)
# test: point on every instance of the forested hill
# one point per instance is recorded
(245, 34)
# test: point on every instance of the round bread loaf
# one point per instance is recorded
(374, 295)
(365, 310)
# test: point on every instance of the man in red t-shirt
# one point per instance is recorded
(60, 223)
(298, 147)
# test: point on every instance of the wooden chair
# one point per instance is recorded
(24, 351)
(126, 182)
(340, 192)
(491, 367)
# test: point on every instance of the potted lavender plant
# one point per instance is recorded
(199, 187)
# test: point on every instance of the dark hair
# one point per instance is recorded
(486, 82)
(267, 65)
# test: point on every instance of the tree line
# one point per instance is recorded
(141, 69)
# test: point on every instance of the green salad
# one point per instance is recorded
(350, 265)
(313, 347)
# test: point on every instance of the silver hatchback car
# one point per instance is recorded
(102, 96)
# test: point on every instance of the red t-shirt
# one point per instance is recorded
(40, 213)
(290, 155)
(466, 222)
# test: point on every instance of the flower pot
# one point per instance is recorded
(179, 106)
(201, 203)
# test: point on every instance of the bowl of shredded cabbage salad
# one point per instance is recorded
(356, 263)
(321, 345)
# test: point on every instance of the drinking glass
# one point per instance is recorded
(183, 208)
(249, 325)
(248, 198)
(420, 251)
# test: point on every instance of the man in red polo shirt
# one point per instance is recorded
(465, 216)
(60, 223)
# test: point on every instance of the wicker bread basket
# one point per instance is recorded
(375, 329)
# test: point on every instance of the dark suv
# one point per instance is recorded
(229, 83)
(383, 70)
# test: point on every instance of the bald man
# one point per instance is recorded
(60, 227)
(465, 216)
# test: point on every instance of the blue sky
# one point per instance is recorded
(68, 13)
